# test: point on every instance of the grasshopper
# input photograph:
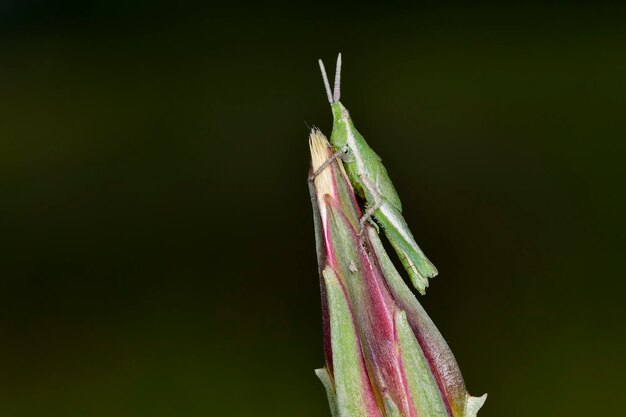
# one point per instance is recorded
(371, 182)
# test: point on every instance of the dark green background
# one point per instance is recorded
(158, 255)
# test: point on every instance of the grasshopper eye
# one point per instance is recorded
(344, 114)
(345, 153)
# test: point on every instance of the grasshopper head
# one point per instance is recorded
(341, 117)
(341, 124)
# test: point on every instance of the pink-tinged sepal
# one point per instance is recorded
(351, 393)
(436, 351)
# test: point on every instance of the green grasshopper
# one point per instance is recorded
(371, 182)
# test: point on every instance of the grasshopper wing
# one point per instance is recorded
(419, 268)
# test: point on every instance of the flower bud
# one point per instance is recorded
(384, 356)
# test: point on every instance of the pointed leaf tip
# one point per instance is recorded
(474, 404)
(324, 376)
(391, 409)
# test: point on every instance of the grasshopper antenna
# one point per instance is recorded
(326, 84)
(337, 91)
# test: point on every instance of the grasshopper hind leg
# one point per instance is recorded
(369, 212)
(367, 217)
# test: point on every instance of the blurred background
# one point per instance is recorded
(157, 242)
